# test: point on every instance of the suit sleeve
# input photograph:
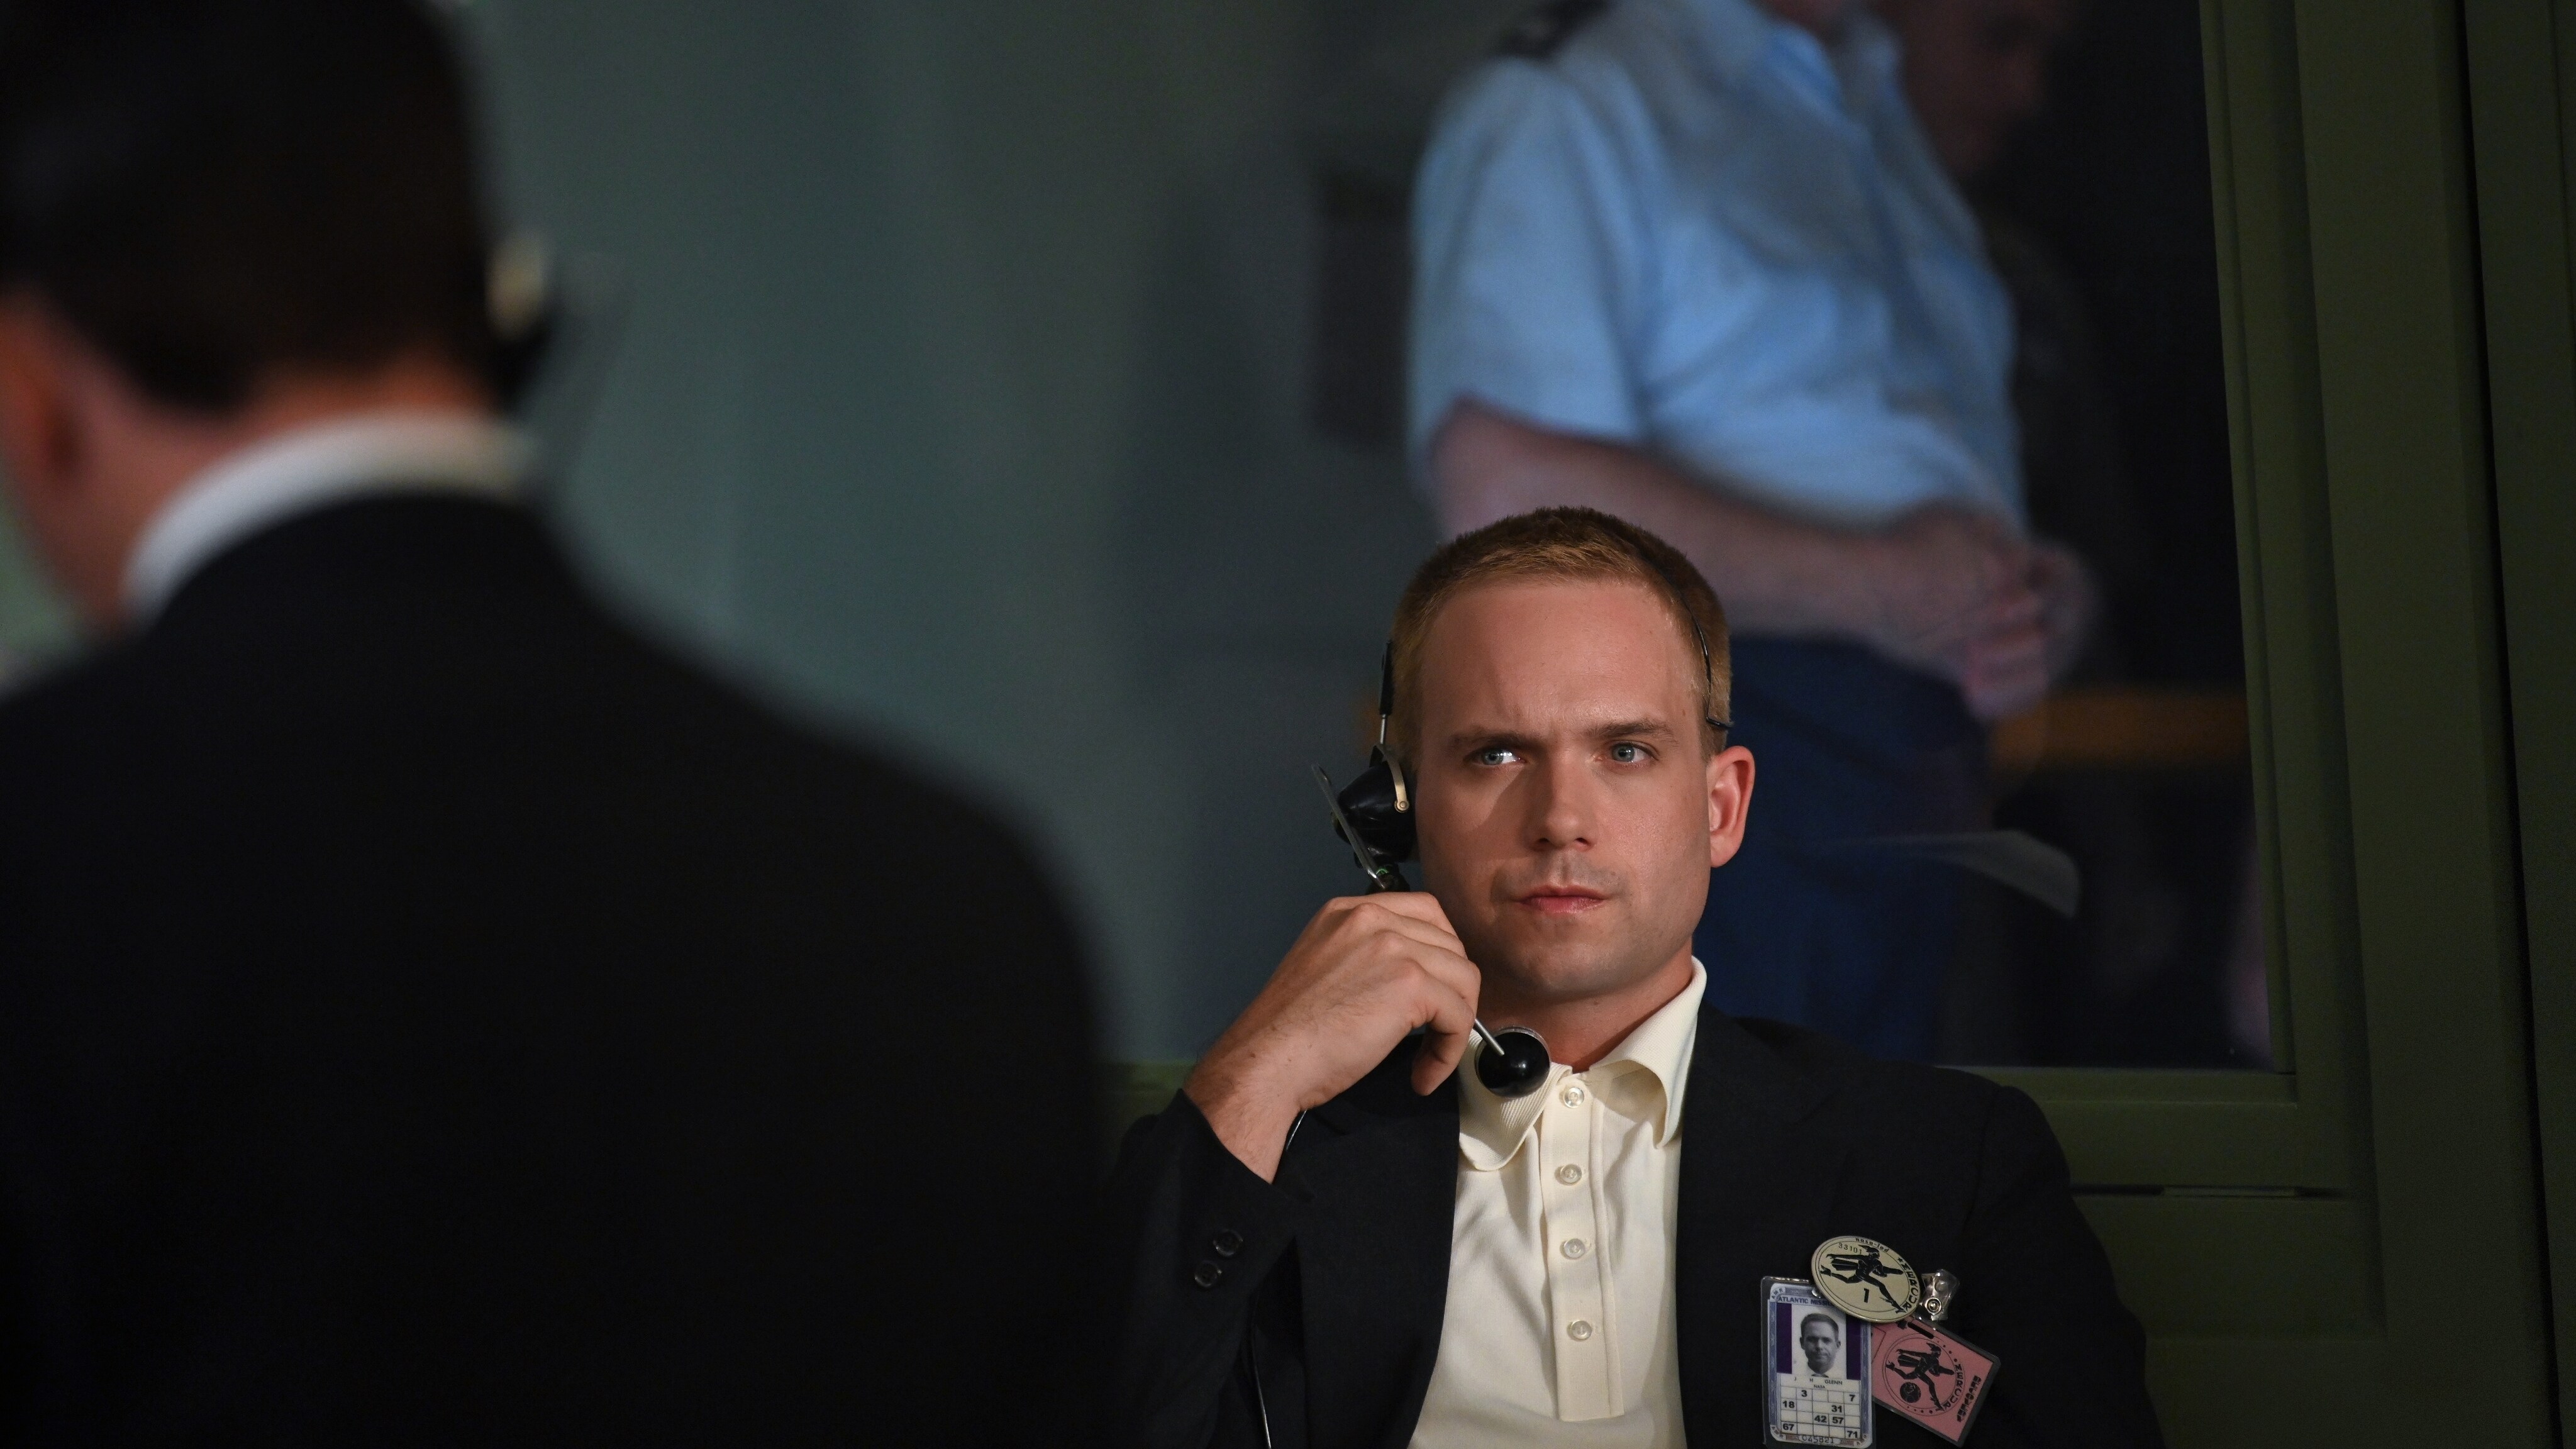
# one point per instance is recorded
(1188, 1237)
(2035, 1290)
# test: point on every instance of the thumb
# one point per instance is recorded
(1439, 1056)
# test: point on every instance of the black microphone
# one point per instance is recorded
(1513, 1062)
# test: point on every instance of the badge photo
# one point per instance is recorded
(1816, 1368)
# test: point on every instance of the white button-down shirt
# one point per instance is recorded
(1559, 1326)
(1697, 230)
(296, 472)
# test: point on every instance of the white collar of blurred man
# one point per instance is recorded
(1974, 70)
(123, 495)
(352, 455)
(1569, 805)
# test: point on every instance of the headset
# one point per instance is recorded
(1374, 813)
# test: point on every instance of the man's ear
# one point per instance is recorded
(1730, 798)
(39, 436)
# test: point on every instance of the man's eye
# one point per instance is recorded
(1628, 753)
(1496, 756)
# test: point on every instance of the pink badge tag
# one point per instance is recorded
(1930, 1376)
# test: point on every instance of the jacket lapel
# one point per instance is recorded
(1380, 1166)
(1757, 1196)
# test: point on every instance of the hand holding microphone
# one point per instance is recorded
(1362, 976)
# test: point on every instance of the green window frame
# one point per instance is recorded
(2349, 1249)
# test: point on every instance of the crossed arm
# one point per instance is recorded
(1947, 590)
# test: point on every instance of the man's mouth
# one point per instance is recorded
(1562, 900)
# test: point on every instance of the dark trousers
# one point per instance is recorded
(1809, 923)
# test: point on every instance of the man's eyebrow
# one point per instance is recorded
(1495, 739)
(1507, 739)
(1631, 729)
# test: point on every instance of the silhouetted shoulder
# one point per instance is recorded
(63, 732)
(831, 784)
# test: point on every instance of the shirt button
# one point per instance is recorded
(1569, 1174)
(1574, 1248)
(1572, 1096)
(1578, 1330)
(1226, 1244)
(1207, 1275)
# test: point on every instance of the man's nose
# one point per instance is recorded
(1562, 807)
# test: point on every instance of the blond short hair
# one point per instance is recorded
(1566, 545)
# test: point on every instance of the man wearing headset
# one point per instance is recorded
(1334, 1237)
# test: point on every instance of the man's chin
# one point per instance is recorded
(1559, 970)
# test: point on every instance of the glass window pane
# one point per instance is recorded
(1938, 867)
(2097, 212)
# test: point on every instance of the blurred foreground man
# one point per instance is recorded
(1695, 263)
(427, 1012)
(1334, 1237)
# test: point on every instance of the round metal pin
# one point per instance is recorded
(1867, 1279)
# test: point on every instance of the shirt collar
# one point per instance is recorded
(1733, 33)
(1643, 1077)
(308, 468)
(1737, 34)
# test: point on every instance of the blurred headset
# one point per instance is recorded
(556, 321)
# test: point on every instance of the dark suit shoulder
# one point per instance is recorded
(62, 702)
(1907, 1133)
(1908, 1088)
(75, 764)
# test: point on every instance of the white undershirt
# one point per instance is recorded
(352, 456)
(1559, 1324)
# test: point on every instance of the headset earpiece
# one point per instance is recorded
(525, 303)
(1381, 810)
(1379, 801)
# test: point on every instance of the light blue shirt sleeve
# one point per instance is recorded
(1529, 257)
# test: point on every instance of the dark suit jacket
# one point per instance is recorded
(429, 1013)
(1338, 1273)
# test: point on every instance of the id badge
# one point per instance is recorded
(1930, 1375)
(1816, 1364)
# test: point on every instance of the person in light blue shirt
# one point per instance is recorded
(1693, 262)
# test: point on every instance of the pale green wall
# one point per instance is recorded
(33, 623)
(961, 397)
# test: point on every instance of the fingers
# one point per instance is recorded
(2069, 600)
(1404, 917)
(2007, 673)
(1441, 958)
(1437, 1057)
(2007, 652)
(1369, 943)
(2011, 608)
(2003, 700)
(1956, 574)
(1446, 1043)
(1414, 905)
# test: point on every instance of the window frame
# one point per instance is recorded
(2308, 1226)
